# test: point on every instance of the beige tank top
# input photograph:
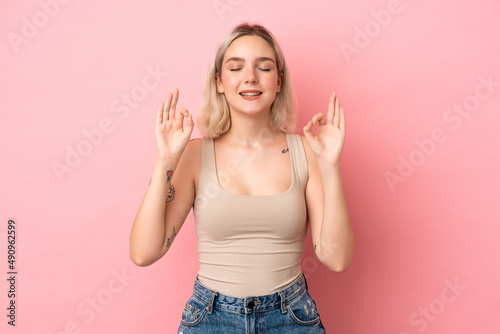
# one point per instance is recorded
(250, 245)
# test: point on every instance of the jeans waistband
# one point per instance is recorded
(251, 304)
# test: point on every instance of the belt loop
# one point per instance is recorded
(283, 305)
(305, 281)
(211, 302)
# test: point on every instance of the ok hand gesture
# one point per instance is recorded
(170, 132)
(328, 142)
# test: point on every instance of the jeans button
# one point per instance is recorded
(251, 304)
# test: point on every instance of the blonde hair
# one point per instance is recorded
(214, 118)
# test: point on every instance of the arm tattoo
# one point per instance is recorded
(171, 239)
(315, 247)
(169, 175)
(284, 151)
(171, 193)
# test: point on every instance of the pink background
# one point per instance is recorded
(426, 257)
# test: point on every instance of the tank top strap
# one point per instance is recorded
(298, 158)
(207, 160)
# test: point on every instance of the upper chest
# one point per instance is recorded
(253, 171)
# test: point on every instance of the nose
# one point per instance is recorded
(251, 76)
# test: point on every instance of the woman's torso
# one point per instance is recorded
(250, 216)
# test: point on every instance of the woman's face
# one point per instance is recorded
(249, 75)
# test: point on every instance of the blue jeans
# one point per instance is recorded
(291, 311)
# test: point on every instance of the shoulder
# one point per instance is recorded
(307, 149)
(190, 162)
(311, 159)
(192, 153)
(194, 144)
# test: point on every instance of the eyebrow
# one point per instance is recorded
(260, 59)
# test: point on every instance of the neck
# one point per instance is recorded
(251, 130)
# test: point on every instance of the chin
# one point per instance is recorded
(252, 111)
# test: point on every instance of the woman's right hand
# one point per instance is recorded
(171, 134)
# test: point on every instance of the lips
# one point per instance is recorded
(250, 92)
(250, 95)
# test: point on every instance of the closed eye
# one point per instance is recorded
(235, 69)
(265, 69)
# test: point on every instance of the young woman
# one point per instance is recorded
(254, 188)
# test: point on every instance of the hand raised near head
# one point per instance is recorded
(171, 132)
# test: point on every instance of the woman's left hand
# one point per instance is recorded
(328, 142)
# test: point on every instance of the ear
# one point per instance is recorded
(280, 81)
(218, 83)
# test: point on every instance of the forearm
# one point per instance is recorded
(336, 238)
(148, 230)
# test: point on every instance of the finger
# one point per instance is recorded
(342, 119)
(337, 112)
(179, 117)
(166, 107)
(159, 115)
(319, 119)
(171, 113)
(307, 130)
(189, 124)
(331, 106)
